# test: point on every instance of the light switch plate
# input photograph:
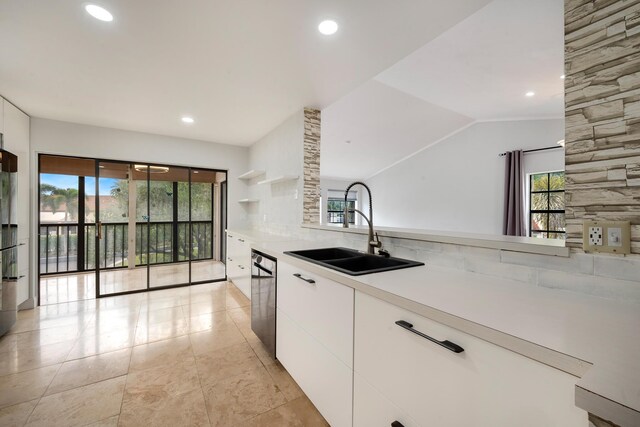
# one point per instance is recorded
(614, 237)
(607, 237)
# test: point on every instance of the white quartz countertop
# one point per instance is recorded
(592, 338)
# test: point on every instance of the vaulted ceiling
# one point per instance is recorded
(480, 69)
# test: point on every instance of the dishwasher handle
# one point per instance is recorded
(266, 270)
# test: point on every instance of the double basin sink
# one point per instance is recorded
(352, 262)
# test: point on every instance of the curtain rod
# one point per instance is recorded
(535, 149)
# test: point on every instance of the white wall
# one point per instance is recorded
(54, 137)
(281, 152)
(458, 184)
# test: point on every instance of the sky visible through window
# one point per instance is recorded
(71, 181)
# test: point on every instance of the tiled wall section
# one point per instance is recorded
(602, 111)
(599, 275)
(311, 206)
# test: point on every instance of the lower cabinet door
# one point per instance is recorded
(372, 409)
(322, 307)
(485, 385)
(243, 280)
(321, 375)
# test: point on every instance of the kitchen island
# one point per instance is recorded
(593, 339)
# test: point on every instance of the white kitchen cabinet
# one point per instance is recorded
(483, 385)
(314, 339)
(239, 262)
(325, 379)
(16, 140)
(371, 408)
(323, 308)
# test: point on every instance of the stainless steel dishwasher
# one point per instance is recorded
(263, 299)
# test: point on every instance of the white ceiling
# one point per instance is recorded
(383, 125)
(479, 69)
(238, 67)
(483, 66)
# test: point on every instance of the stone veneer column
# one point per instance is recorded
(311, 203)
(602, 112)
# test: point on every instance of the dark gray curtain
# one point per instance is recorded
(514, 194)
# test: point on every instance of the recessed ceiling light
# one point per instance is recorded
(328, 27)
(187, 119)
(530, 94)
(562, 77)
(99, 12)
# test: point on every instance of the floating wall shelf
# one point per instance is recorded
(281, 178)
(247, 201)
(251, 174)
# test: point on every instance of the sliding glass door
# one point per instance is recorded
(129, 227)
(168, 225)
(116, 247)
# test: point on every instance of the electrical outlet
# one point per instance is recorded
(595, 236)
(607, 236)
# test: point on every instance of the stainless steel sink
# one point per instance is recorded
(352, 262)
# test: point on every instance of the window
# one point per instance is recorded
(335, 206)
(546, 205)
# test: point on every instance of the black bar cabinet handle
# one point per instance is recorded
(299, 276)
(397, 424)
(446, 344)
(241, 240)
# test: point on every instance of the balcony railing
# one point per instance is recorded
(155, 243)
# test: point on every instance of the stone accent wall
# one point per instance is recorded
(602, 112)
(311, 204)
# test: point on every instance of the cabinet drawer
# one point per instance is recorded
(372, 409)
(483, 385)
(323, 378)
(323, 308)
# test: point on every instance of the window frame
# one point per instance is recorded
(547, 211)
(352, 199)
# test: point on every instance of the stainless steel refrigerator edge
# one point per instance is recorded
(263, 299)
(8, 239)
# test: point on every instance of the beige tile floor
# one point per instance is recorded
(61, 288)
(175, 357)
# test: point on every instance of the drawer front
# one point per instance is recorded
(483, 385)
(372, 409)
(323, 378)
(233, 270)
(324, 308)
(243, 280)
